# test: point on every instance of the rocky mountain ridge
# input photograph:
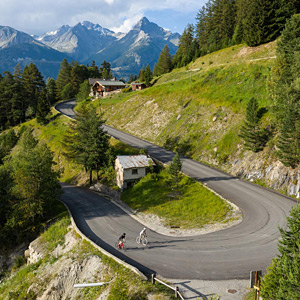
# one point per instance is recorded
(80, 41)
(17, 47)
(140, 46)
(85, 42)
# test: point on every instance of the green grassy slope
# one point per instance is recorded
(198, 110)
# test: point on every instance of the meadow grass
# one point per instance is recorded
(194, 206)
(55, 233)
(121, 148)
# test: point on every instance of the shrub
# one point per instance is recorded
(127, 90)
(19, 261)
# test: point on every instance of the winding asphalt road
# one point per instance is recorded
(227, 254)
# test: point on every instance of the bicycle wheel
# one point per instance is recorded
(117, 245)
(144, 241)
(138, 240)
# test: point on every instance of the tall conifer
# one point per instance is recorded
(164, 64)
(63, 77)
(286, 90)
(282, 281)
(251, 131)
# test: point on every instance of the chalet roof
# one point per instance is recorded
(105, 82)
(110, 82)
(92, 81)
(134, 161)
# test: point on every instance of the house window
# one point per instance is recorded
(134, 171)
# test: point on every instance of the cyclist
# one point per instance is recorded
(143, 233)
(121, 240)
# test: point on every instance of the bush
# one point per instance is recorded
(19, 262)
(127, 90)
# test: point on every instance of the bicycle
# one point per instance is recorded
(142, 240)
(121, 245)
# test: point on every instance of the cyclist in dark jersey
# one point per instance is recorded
(121, 239)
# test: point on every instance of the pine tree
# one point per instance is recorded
(43, 107)
(201, 28)
(94, 71)
(104, 74)
(141, 74)
(289, 140)
(155, 70)
(85, 140)
(63, 78)
(6, 197)
(282, 281)
(174, 170)
(285, 92)
(51, 91)
(184, 53)
(79, 74)
(106, 70)
(263, 20)
(98, 144)
(33, 84)
(7, 87)
(67, 92)
(7, 141)
(17, 102)
(130, 79)
(164, 64)
(251, 132)
(84, 91)
(36, 183)
(215, 25)
(147, 75)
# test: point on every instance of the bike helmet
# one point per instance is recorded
(124, 233)
(145, 228)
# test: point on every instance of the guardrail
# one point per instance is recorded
(175, 289)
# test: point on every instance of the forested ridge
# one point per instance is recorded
(25, 94)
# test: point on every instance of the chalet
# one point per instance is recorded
(138, 86)
(130, 168)
(105, 87)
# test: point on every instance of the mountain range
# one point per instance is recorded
(85, 42)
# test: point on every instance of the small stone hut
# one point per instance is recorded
(130, 168)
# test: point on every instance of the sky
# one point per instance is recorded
(40, 16)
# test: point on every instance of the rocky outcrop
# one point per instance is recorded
(35, 251)
(69, 273)
(56, 280)
(263, 167)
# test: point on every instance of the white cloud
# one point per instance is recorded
(39, 16)
(127, 24)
